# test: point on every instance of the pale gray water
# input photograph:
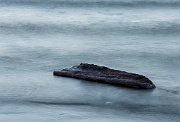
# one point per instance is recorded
(38, 37)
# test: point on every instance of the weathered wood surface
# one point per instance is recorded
(103, 74)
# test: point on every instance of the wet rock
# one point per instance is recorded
(103, 74)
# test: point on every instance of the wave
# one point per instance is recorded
(172, 91)
(94, 3)
(120, 105)
(160, 28)
(61, 103)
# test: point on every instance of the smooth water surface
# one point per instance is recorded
(40, 36)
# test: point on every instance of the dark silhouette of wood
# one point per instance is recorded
(103, 74)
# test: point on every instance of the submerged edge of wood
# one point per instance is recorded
(106, 75)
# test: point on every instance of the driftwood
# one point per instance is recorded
(103, 74)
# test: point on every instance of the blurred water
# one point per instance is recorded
(38, 37)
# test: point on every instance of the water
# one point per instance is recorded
(40, 36)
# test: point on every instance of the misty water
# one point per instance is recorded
(40, 36)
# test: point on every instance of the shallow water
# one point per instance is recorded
(38, 37)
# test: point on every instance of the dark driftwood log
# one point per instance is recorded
(103, 74)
